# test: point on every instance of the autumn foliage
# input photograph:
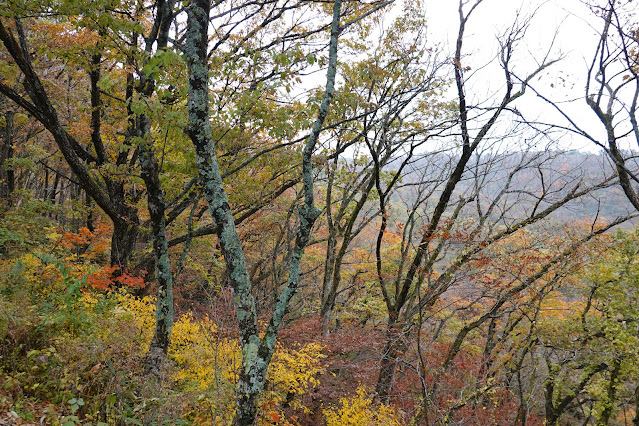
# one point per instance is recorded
(196, 229)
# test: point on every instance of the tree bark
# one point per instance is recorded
(613, 385)
(7, 177)
(256, 352)
(125, 232)
(394, 348)
(164, 312)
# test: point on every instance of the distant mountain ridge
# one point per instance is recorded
(556, 171)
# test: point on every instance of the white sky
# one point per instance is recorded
(576, 30)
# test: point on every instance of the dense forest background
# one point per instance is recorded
(299, 212)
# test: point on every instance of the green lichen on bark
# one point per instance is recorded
(256, 352)
(156, 205)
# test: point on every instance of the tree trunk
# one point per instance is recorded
(635, 421)
(157, 206)
(256, 351)
(51, 196)
(7, 177)
(332, 284)
(612, 392)
(123, 239)
(394, 348)
(89, 206)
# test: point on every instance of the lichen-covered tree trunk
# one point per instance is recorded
(140, 127)
(156, 205)
(252, 375)
(256, 352)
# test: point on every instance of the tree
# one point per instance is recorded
(612, 92)
(256, 351)
(401, 292)
(94, 167)
(386, 111)
(580, 344)
(108, 192)
(607, 90)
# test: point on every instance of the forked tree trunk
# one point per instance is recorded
(256, 351)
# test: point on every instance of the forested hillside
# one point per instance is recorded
(309, 213)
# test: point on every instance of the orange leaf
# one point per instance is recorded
(274, 416)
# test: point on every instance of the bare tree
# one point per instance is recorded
(612, 93)
(470, 201)
(385, 115)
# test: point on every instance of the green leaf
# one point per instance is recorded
(311, 59)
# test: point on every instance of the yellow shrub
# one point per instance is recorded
(42, 277)
(209, 364)
(142, 310)
(294, 371)
(204, 358)
(360, 411)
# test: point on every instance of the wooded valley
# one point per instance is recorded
(298, 212)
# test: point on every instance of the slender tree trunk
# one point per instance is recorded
(635, 421)
(331, 244)
(549, 389)
(89, 206)
(44, 193)
(140, 128)
(612, 392)
(51, 196)
(332, 284)
(157, 206)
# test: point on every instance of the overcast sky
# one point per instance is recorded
(576, 37)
